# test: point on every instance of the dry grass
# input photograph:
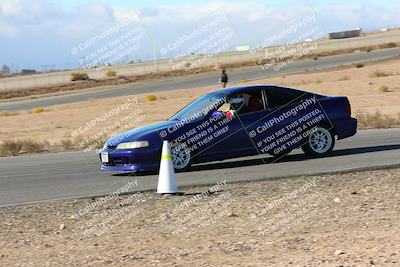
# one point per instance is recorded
(380, 73)
(376, 120)
(28, 146)
(10, 148)
(388, 45)
(37, 110)
(67, 144)
(151, 98)
(384, 89)
(16, 147)
(7, 113)
(4, 113)
(344, 78)
(81, 143)
(77, 76)
(89, 144)
(111, 73)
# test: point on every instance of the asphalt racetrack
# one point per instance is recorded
(44, 177)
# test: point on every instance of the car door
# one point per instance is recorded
(267, 130)
(237, 142)
(253, 116)
(228, 139)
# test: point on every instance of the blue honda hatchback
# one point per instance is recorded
(235, 122)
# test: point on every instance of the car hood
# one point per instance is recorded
(140, 134)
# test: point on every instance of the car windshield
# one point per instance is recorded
(201, 107)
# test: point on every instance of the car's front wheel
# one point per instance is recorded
(181, 157)
(320, 142)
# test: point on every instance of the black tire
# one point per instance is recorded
(320, 142)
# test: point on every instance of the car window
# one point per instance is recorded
(278, 99)
(252, 102)
(200, 107)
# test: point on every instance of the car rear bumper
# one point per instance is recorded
(345, 128)
(131, 160)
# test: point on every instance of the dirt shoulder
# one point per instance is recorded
(347, 219)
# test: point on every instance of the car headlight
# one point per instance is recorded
(137, 144)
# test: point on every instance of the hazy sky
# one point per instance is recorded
(39, 33)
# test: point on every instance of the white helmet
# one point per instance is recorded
(239, 102)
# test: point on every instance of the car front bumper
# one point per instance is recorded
(131, 160)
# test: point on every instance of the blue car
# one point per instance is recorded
(235, 122)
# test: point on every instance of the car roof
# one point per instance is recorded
(256, 87)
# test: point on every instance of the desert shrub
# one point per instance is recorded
(77, 76)
(111, 73)
(10, 148)
(315, 58)
(5, 114)
(359, 65)
(344, 78)
(13, 148)
(384, 88)
(37, 110)
(8, 113)
(30, 146)
(89, 144)
(376, 120)
(151, 98)
(388, 45)
(380, 73)
(67, 143)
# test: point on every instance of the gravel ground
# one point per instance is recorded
(347, 219)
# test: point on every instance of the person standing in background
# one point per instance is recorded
(224, 78)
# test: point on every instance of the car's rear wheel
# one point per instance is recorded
(181, 157)
(320, 142)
